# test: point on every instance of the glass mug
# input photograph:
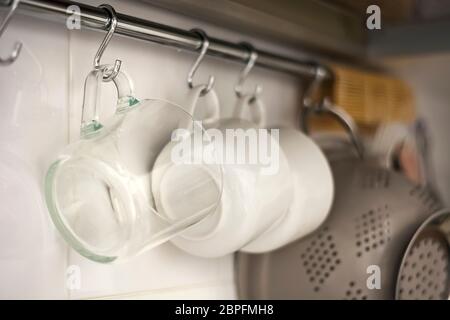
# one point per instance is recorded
(98, 191)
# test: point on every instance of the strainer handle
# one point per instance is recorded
(341, 116)
(316, 100)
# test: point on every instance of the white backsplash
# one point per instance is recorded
(41, 107)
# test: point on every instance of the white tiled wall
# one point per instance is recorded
(41, 97)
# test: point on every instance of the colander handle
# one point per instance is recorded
(342, 117)
(316, 100)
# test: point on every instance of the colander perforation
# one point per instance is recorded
(354, 292)
(426, 197)
(425, 271)
(376, 179)
(320, 258)
(372, 230)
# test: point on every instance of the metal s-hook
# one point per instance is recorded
(253, 55)
(203, 50)
(319, 89)
(112, 24)
(18, 45)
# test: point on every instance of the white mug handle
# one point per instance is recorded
(255, 106)
(213, 106)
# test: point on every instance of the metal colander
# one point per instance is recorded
(375, 214)
(357, 252)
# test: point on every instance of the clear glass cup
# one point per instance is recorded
(98, 191)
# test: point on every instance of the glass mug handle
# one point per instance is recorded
(90, 123)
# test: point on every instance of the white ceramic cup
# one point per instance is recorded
(252, 198)
(313, 193)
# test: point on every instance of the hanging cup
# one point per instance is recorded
(253, 196)
(98, 190)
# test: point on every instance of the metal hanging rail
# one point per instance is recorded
(98, 19)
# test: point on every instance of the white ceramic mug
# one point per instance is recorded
(251, 201)
(313, 193)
